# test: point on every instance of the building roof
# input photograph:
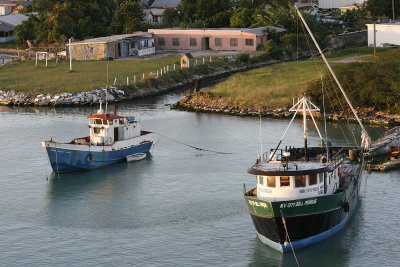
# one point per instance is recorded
(5, 28)
(256, 31)
(14, 20)
(113, 38)
(165, 3)
(188, 55)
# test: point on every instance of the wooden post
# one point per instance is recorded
(46, 59)
(210, 59)
(115, 81)
(134, 79)
(196, 61)
(161, 71)
(203, 60)
(157, 73)
(143, 76)
(36, 59)
(70, 54)
(167, 68)
(374, 40)
(127, 80)
(164, 69)
(174, 66)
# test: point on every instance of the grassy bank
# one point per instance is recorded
(278, 84)
(86, 75)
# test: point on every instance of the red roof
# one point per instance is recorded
(105, 117)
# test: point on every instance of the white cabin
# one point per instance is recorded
(274, 188)
(110, 128)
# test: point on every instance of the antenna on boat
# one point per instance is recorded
(261, 152)
(366, 140)
(107, 89)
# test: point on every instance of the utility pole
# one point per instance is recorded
(374, 40)
(393, 8)
(70, 54)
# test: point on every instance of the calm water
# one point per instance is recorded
(180, 207)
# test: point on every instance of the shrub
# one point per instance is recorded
(243, 57)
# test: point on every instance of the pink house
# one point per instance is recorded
(233, 39)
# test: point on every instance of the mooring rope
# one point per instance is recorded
(287, 236)
(194, 147)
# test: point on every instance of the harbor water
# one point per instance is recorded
(178, 207)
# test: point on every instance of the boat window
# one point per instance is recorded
(110, 122)
(260, 180)
(121, 120)
(98, 121)
(271, 181)
(96, 130)
(312, 179)
(300, 181)
(104, 122)
(321, 177)
(92, 121)
(285, 181)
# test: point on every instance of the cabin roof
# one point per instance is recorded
(303, 168)
(105, 117)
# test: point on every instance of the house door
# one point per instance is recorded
(118, 50)
(205, 43)
(115, 134)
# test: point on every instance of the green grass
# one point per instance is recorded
(277, 85)
(86, 75)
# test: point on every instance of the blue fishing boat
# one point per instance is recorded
(112, 139)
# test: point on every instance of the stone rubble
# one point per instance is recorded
(79, 98)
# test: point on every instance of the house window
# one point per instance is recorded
(155, 19)
(312, 179)
(218, 41)
(234, 42)
(175, 41)
(300, 181)
(271, 181)
(193, 42)
(161, 40)
(285, 181)
(260, 180)
(249, 42)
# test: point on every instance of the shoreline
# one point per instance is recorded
(207, 103)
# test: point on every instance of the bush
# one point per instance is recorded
(272, 50)
(243, 57)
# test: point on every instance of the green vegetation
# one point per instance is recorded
(277, 85)
(373, 83)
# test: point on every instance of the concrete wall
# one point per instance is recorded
(79, 51)
(225, 36)
(385, 34)
(349, 39)
(326, 4)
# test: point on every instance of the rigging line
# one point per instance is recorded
(261, 152)
(314, 60)
(333, 86)
(194, 147)
(287, 235)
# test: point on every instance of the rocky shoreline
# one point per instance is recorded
(207, 103)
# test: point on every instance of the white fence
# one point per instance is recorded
(146, 51)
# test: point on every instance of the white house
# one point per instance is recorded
(386, 34)
(328, 4)
(154, 16)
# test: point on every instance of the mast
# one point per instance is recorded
(305, 128)
(333, 74)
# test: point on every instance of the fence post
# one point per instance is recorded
(127, 80)
(174, 66)
(167, 68)
(134, 79)
(115, 81)
(164, 69)
(196, 61)
(143, 76)
(157, 73)
(210, 59)
(161, 71)
(203, 60)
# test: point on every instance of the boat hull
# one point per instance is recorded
(68, 158)
(306, 226)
